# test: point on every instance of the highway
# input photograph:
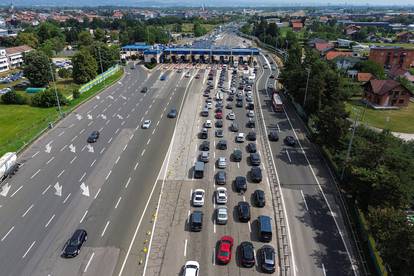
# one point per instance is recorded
(66, 183)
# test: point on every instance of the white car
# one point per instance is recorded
(231, 116)
(191, 268)
(198, 197)
(209, 105)
(249, 94)
(221, 163)
(240, 137)
(221, 215)
(187, 75)
(250, 114)
(221, 195)
(146, 124)
(208, 124)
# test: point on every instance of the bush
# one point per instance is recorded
(75, 93)
(47, 98)
(12, 97)
(64, 73)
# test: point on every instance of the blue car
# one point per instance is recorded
(163, 77)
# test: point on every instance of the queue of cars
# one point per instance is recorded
(223, 112)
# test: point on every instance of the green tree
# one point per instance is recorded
(84, 67)
(85, 39)
(64, 73)
(12, 97)
(100, 35)
(109, 56)
(199, 30)
(37, 68)
(47, 30)
(372, 67)
(48, 98)
(29, 39)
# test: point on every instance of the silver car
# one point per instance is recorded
(221, 215)
(221, 163)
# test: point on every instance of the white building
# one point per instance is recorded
(4, 61)
(16, 54)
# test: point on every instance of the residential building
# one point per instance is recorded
(364, 77)
(345, 63)
(323, 47)
(297, 26)
(331, 55)
(392, 56)
(404, 37)
(398, 72)
(386, 93)
(344, 43)
(15, 55)
(4, 62)
(352, 29)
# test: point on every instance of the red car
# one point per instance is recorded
(219, 115)
(224, 249)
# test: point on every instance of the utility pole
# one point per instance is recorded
(306, 89)
(100, 61)
(56, 94)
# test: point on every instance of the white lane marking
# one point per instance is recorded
(97, 193)
(76, 136)
(93, 162)
(132, 136)
(35, 174)
(126, 185)
(82, 131)
(127, 116)
(136, 165)
(142, 153)
(117, 203)
(89, 262)
(35, 154)
(109, 141)
(5, 236)
(158, 122)
(45, 190)
(214, 226)
(27, 251)
(153, 131)
(27, 211)
(125, 147)
(214, 256)
(238, 165)
(102, 150)
(278, 128)
(107, 122)
(250, 227)
(74, 158)
(133, 110)
(116, 162)
(60, 173)
(60, 134)
(83, 175)
(50, 160)
(66, 199)
(49, 221)
(72, 125)
(106, 226)
(12, 195)
(288, 155)
(100, 130)
(107, 176)
(149, 140)
(323, 270)
(83, 217)
(123, 123)
(304, 200)
(84, 147)
(185, 248)
(90, 123)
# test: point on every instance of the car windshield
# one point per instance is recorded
(74, 242)
(224, 253)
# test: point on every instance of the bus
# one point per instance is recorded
(277, 103)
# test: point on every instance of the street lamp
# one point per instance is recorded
(307, 84)
(56, 94)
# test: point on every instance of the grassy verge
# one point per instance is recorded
(395, 120)
(20, 124)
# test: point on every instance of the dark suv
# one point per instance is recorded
(240, 184)
(243, 209)
(93, 137)
(144, 90)
(259, 198)
(237, 155)
(74, 244)
(255, 159)
(273, 136)
(256, 174)
(205, 146)
(222, 145)
(251, 136)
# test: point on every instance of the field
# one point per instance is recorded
(395, 120)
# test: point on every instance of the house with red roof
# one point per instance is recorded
(297, 26)
(386, 93)
(364, 77)
(331, 55)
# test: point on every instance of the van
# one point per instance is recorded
(264, 228)
(199, 169)
(204, 112)
(196, 221)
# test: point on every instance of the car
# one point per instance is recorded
(247, 256)
(240, 137)
(221, 195)
(219, 124)
(204, 156)
(251, 136)
(219, 109)
(250, 106)
(256, 174)
(250, 114)
(271, 77)
(243, 210)
(239, 104)
(196, 221)
(208, 105)
(251, 123)
(74, 244)
(234, 127)
(229, 106)
(219, 133)
(172, 113)
(273, 136)
(205, 146)
(197, 76)
(221, 178)
(230, 98)
(255, 159)
(207, 124)
(249, 99)
(219, 115)
(231, 116)
(93, 137)
(290, 141)
(146, 124)
(267, 259)
(209, 100)
(221, 162)
(191, 268)
(198, 197)
(222, 145)
(237, 155)
(225, 246)
(221, 215)
(163, 77)
(240, 184)
(144, 90)
(251, 147)
(203, 133)
(259, 198)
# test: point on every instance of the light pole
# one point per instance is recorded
(54, 86)
(307, 84)
(100, 61)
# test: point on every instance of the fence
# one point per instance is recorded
(100, 78)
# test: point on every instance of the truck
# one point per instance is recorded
(8, 165)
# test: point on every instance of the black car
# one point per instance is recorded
(251, 147)
(247, 254)
(144, 90)
(237, 155)
(219, 124)
(229, 106)
(273, 136)
(93, 137)
(221, 178)
(240, 184)
(239, 104)
(203, 134)
(255, 159)
(205, 146)
(234, 127)
(219, 109)
(290, 141)
(250, 106)
(222, 145)
(74, 244)
(256, 174)
(243, 209)
(251, 136)
(196, 221)
(259, 198)
(251, 123)
(267, 259)
(230, 98)
(172, 113)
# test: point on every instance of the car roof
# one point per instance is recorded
(221, 189)
(199, 190)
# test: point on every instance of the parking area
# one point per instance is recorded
(218, 110)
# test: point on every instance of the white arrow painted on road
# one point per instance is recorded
(89, 116)
(103, 116)
(48, 148)
(110, 97)
(119, 117)
(85, 189)
(5, 190)
(58, 189)
(72, 148)
(98, 97)
(79, 117)
(123, 97)
(90, 148)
